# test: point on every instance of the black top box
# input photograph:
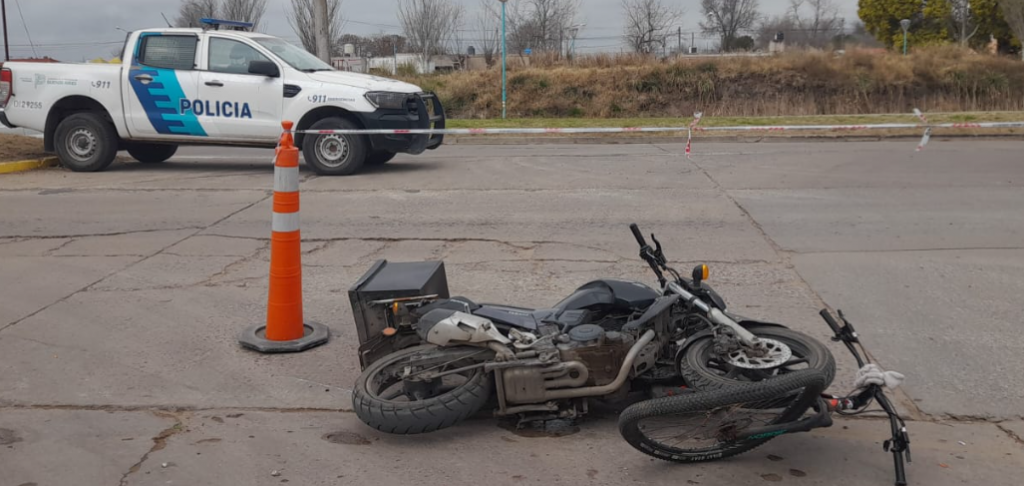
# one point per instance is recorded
(385, 281)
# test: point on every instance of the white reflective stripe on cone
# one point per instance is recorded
(286, 179)
(285, 222)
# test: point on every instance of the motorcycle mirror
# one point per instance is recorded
(700, 273)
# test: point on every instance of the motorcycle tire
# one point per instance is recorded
(695, 368)
(418, 416)
(769, 399)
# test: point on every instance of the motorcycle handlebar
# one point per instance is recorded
(636, 234)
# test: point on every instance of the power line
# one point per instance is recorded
(25, 25)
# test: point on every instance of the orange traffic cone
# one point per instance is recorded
(285, 330)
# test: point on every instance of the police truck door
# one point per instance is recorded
(235, 104)
(162, 74)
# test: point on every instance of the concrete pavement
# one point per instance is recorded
(124, 291)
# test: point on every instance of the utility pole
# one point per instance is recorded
(394, 51)
(693, 42)
(7, 45)
(504, 75)
(323, 41)
(679, 41)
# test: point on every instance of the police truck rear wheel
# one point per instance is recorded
(333, 154)
(85, 142)
(152, 153)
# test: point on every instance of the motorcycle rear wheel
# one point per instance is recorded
(381, 398)
(703, 370)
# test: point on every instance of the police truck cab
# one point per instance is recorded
(219, 85)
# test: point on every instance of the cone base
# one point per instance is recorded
(314, 334)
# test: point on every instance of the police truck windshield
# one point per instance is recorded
(294, 56)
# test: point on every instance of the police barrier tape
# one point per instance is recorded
(692, 127)
(537, 131)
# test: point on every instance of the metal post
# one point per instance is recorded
(504, 93)
(7, 45)
(905, 25)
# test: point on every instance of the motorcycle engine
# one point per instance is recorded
(601, 351)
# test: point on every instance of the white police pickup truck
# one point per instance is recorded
(221, 85)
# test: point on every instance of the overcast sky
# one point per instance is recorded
(73, 30)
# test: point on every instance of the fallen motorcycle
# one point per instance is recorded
(430, 360)
(711, 425)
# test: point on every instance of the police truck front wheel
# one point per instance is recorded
(85, 142)
(333, 154)
(151, 153)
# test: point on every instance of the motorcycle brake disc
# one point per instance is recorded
(772, 354)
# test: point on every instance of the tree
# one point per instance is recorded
(488, 25)
(430, 25)
(647, 23)
(882, 19)
(539, 25)
(244, 11)
(301, 20)
(190, 11)
(1013, 13)
(817, 21)
(963, 19)
(727, 17)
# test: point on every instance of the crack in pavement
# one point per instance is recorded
(51, 251)
(229, 267)
(115, 233)
(159, 442)
(197, 229)
(785, 257)
(165, 409)
(1013, 435)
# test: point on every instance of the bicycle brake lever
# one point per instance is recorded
(847, 327)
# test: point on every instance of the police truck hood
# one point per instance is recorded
(365, 81)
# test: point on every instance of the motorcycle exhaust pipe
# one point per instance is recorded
(593, 391)
(582, 375)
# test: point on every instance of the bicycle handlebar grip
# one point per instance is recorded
(830, 321)
(636, 233)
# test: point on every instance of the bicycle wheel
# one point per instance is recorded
(705, 426)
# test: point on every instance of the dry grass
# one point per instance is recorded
(943, 79)
(18, 147)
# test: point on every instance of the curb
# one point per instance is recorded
(24, 165)
(565, 140)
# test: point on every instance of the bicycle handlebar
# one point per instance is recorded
(831, 322)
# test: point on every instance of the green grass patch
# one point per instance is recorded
(712, 121)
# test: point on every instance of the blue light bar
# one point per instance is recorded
(227, 23)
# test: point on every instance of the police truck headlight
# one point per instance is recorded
(386, 100)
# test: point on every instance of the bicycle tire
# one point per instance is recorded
(811, 381)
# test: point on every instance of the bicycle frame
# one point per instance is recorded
(898, 444)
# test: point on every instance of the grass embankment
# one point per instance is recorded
(19, 147)
(805, 83)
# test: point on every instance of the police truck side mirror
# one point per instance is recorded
(265, 68)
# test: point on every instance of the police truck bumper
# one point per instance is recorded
(422, 111)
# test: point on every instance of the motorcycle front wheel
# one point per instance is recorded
(703, 369)
(389, 395)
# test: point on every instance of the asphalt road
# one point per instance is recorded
(124, 291)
